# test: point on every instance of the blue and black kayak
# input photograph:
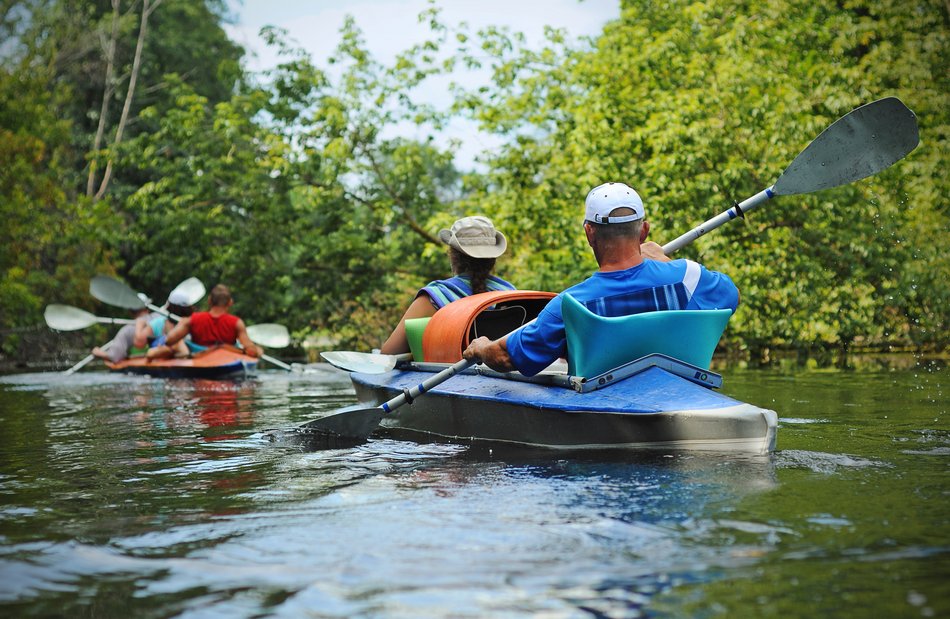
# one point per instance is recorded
(663, 397)
(654, 407)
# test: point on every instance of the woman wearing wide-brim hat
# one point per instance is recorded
(474, 244)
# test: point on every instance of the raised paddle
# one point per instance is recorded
(111, 288)
(863, 142)
(113, 292)
(69, 318)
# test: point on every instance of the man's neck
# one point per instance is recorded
(217, 310)
(618, 257)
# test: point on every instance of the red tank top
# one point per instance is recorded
(207, 330)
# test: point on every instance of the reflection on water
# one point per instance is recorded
(125, 496)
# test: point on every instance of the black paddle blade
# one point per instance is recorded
(861, 143)
(354, 425)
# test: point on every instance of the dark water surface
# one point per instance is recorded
(132, 497)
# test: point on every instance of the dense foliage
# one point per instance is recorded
(297, 188)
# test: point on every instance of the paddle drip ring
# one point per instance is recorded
(735, 205)
(407, 394)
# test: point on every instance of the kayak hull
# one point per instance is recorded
(220, 362)
(654, 409)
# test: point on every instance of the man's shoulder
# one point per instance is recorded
(678, 264)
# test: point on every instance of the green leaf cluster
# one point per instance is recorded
(698, 104)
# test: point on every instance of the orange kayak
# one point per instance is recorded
(217, 362)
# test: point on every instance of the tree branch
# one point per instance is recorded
(409, 220)
(147, 9)
(107, 93)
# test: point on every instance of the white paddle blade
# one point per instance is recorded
(861, 143)
(363, 362)
(67, 317)
(112, 291)
(193, 290)
(269, 335)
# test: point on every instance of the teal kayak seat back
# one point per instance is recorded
(596, 344)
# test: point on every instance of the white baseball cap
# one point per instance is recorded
(179, 297)
(603, 199)
(475, 236)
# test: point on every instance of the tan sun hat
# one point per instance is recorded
(476, 237)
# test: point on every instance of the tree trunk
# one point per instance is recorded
(108, 91)
(147, 8)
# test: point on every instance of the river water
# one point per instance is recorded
(134, 497)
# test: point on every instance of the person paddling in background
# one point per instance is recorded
(634, 276)
(211, 328)
(161, 325)
(130, 341)
(474, 244)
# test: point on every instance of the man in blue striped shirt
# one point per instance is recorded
(634, 276)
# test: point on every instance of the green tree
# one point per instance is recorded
(53, 82)
(50, 241)
(370, 201)
(701, 103)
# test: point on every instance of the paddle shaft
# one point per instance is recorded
(407, 396)
(87, 359)
(276, 362)
(115, 321)
(739, 210)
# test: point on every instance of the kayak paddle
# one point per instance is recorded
(69, 318)
(363, 362)
(113, 292)
(861, 143)
(358, 424)
(269, 334)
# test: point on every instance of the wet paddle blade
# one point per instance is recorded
(347, 425)
(269, 335)
(861, 143)
(67, 317)
(112, 291)
(363, 362)
(310, 441)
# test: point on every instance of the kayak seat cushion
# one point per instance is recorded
(415, 327)
(596, 344)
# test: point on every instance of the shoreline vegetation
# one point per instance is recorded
(58, 351)
(134, 142)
